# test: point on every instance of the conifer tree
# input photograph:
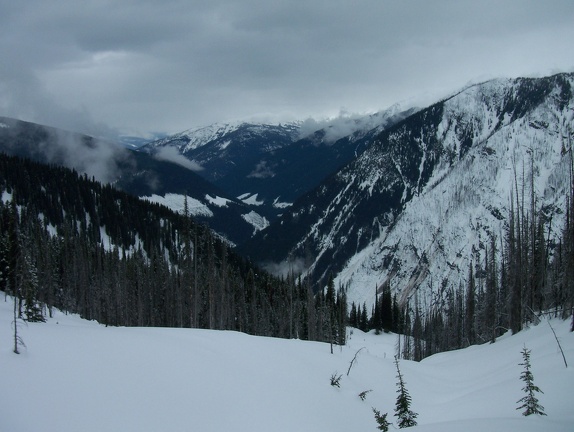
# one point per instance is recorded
(529, 402)
(406, 417)
(387, 309)
(470, 308)
(382, 422)
(33, 310)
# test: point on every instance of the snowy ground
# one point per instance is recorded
(77, 375)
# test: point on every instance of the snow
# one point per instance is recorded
(6, 197)
(259, 222)
(224, 145)
(4, 125)
(250, 199)
(175, 202)
(197, 137)
(464, 204)
(217, 201)
(281, 205)
(77, 375)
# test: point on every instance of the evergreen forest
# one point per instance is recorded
(69, 242)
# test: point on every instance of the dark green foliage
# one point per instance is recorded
(83, 247)
(469, 322)
(529, 402)
(406, 417)
(382, 423)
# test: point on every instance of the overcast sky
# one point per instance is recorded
(143, 66)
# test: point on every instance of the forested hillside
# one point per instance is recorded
(75, 244)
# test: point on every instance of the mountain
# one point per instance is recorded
(270, 166)
(430, 193)
(163, 178)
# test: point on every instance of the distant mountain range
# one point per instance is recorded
(270, 166)
(409, 197)
(163, 180)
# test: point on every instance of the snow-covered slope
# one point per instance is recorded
(220, 146)
(196, 137)
(430, 192)
(452, 217)
(76, 375)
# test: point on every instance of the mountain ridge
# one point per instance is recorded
(358, 208)
(136, 172)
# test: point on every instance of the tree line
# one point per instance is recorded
(69, 242)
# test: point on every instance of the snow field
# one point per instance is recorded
(77, 375)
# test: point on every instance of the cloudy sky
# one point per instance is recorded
(143, 66)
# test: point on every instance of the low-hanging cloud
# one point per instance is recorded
(96, 158)
(261, 171)
(171, 154)
(294, 267)
(337, 127)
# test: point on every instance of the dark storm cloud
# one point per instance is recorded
(145, 65)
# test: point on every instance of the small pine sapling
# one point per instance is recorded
(382, 423)
(529, 402)
(403, 411)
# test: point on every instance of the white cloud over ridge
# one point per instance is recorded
(171, 154)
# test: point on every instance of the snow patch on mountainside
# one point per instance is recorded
(218, 201)
(281, 205)
(259, 222)
(6, 197)
(176, 203)
(250, 199)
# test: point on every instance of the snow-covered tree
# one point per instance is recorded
(406, 417)
(529, 402)
(382, 422)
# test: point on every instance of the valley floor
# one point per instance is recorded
(77, 375)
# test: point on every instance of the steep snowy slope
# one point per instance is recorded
(426, 197)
